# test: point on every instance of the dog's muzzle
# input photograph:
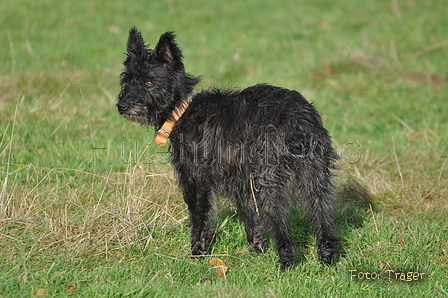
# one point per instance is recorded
(122, 107)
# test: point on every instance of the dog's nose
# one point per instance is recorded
(122, 106)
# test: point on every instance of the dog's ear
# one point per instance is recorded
(136, 44)
(168, 50)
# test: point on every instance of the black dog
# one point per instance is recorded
(250, 145)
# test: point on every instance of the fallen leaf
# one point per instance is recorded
(382, 264)
(41, 292)
(71, 288)
(219, 264)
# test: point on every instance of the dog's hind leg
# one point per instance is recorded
(317, 188)
(250, 214)
(273, 212)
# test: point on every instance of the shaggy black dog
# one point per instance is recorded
(249, 145)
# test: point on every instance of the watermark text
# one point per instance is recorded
(388, 275)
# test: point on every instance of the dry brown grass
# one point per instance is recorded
(98, 214)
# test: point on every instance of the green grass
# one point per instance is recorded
(112, 222)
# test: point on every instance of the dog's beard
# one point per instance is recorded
(138, 114)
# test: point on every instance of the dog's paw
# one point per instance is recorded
(258, 246)
(286, 263)
(199, 250)
(328, 251)
(287, 257)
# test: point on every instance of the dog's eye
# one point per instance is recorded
(149, 84)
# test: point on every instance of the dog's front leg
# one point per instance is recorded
(200, 206)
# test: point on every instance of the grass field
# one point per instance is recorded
(89, 208)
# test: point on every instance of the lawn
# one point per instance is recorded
(90, 208)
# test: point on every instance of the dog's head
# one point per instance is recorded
(154, 81)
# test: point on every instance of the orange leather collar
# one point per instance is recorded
(164, 133)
